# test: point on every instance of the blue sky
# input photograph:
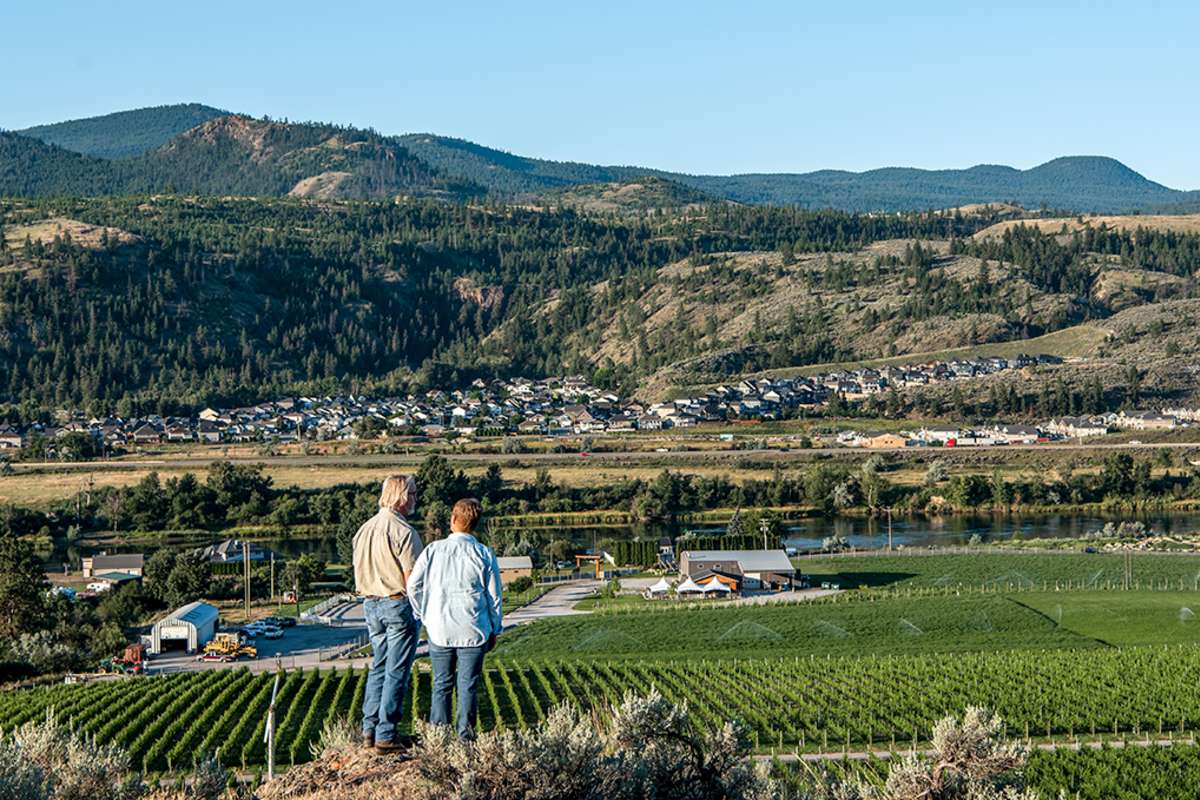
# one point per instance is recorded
(696, 87)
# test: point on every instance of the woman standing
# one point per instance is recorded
(455, 591)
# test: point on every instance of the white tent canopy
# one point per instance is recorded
(662, 587)
(715, 585)
(689, 586)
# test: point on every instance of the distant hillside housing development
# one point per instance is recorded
(561, 406)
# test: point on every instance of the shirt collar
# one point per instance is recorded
(394, 514)
(462, 535)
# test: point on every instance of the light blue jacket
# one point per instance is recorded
(455, 591)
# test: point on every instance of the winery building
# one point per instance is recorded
(753, 569)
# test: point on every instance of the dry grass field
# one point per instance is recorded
(81, 233)
(41, 488)
(1075, 342)
(1179, 223)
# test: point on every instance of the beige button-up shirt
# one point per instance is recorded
(385, 549)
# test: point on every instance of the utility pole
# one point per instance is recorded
(246, 575)
(273, 576)
(889, 529)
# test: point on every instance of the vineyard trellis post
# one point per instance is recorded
(269, 731)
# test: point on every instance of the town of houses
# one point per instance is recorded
(571, 406)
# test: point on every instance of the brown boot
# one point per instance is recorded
(368, 740)
(383, 746)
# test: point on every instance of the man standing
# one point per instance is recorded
(385, 549)
(455, 591)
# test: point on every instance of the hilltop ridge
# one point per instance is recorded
(124, 133)
(158, 149)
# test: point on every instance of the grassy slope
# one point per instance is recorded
(1002, 570)
(1078, 341)
(893, 626)
(1180, 223)
(1123, 619)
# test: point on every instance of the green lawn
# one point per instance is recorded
(1004, 570)
(1122, 618)
(859, 627)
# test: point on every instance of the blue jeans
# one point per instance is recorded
(393, 632)
(461, 666)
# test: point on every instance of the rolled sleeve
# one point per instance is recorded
(406, 546)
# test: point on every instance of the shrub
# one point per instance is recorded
(970, 760)
(46, 760)
(520, 585)
(649, 748)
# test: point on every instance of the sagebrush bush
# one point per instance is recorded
(970, 760)
(649, 747)
(46, 760)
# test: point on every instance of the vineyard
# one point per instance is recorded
(802, 703)
(1164, 773)
(1110, 773)
(1007, 570)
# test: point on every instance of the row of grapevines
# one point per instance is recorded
(193, 729)
(319, 708)
(153, 740)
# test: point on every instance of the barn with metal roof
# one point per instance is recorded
(192, 625)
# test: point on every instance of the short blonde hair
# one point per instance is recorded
(396, 491)
(466, 514)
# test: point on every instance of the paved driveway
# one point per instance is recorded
(311, 645)
(301, 646)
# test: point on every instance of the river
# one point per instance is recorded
(863, 533)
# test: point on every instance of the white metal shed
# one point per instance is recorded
(193, 624)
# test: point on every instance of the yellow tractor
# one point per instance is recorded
(228, 646)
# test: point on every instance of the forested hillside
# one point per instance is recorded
(1080, 183)
(31, 168)
(233, 155)
(182, 302)
(195, 148)
(125, 133)
(203, 300)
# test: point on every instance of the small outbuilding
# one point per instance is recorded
(192, 625)
(130, 563)
(513, 567)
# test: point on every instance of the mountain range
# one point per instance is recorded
(198, 149)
